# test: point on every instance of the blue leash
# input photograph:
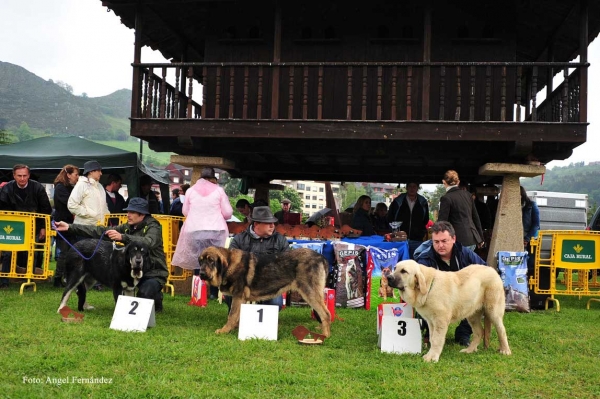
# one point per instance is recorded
(76, 250)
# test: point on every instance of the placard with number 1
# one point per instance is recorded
(258, 321)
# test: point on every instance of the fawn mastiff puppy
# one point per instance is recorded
(248, 277)
(445, 297)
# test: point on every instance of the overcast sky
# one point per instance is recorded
(80, 43)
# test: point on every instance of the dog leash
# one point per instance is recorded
(76, 250)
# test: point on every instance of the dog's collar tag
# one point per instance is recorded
(116, 247)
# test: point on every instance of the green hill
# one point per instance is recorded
(31, 106)
(576, 178)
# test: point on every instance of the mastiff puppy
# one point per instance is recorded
(445, 297)
(248, 277)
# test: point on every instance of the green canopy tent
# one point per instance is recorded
(46, 156)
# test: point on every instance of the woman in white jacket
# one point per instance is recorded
(206, 208)
(88, 199)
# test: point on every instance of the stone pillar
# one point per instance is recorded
(199, 162)
(508, 225)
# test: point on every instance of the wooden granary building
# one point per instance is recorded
(380, 91)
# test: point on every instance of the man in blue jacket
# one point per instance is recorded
(447, 255)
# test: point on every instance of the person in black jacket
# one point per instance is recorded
(361, 219)
(412, 209)
(457, 207)
(114, 200)
(260, 238)
(23, 195)
(63, 185)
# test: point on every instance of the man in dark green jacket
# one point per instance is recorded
(140, 227)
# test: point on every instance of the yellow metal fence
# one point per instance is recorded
(574, 253)
(19, 238)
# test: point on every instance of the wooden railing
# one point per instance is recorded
(493, 91)
(563, 104)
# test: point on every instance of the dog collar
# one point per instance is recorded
(431, 285)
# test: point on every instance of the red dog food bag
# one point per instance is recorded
(350, 285)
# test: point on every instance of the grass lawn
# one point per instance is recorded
(555, 355)
(149, 156)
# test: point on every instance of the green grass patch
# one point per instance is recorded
(555, 355)
(149, 156)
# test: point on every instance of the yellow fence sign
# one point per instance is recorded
(29, 255)
(575, 254)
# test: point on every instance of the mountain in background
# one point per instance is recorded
(577, 178)
(46, 107)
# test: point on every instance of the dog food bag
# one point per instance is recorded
(383, 258)
(350, 285)
(513, 270)
(377, 260)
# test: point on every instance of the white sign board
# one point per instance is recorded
(400, 335)
(133, 314)
(258, 321)
(393, 310)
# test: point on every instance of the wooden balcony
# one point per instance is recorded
(438, 115)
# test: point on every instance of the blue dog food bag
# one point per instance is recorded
(513, 270)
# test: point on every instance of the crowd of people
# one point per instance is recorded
(81, 203)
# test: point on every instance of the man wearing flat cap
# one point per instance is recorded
(87, 201)
(283, 216)
(140, 227)
(261, 238)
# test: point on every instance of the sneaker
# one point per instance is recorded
(87, 306)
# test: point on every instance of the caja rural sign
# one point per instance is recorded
(576, 251)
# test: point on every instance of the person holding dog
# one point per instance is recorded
(447, 255)
(260, 238)
(140, 227)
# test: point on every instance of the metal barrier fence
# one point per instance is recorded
(18, 237)
(574, 253)
(171, 226)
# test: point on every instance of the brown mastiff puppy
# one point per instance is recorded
(445, 297)
(248, 277)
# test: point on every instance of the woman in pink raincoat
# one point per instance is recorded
(206, 208)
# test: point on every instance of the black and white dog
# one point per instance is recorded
(119, 268)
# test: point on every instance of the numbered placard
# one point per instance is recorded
(133, 314)
(393, 310)
(400, 335)
(258, 321)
